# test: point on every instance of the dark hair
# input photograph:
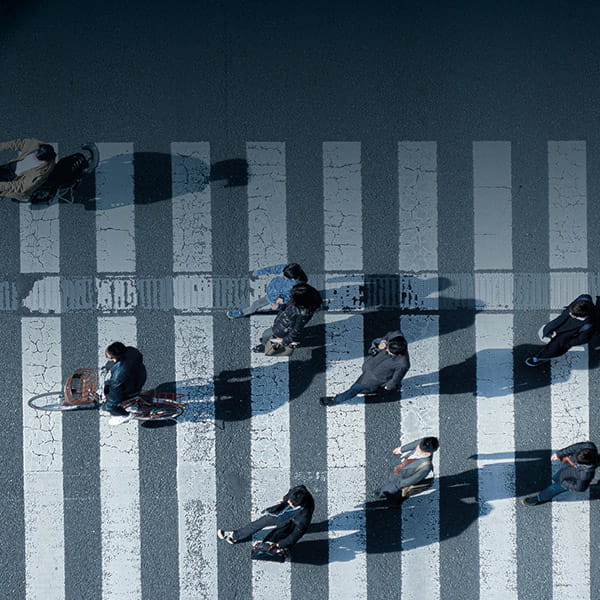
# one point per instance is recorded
(294, 271)
(305, 296)
(397, 345)
(587, 456)
(116, 350)
(429, 444)
(45, 152)
(581, 308)
(299, 496)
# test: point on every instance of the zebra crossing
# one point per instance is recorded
(145, 504)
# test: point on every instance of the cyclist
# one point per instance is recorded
(126, 377)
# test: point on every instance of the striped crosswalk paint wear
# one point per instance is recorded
(144, 504)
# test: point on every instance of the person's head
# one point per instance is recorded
(294, 271)
(587, 456)
(581, 308)
(305, 296)
(397, 346)
(115, 351)
(298, 497)
(45, 153)
(429, 444)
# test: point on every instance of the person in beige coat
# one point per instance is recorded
(25, 173)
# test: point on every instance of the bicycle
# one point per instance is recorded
(81, 392)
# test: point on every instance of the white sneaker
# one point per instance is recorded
(119, 420)
(103, 413)
(225, 535)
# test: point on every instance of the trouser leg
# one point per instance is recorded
(353, 391)
(555, 347)
(253, 527)
(257, 305)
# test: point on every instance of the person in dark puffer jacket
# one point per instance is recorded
(291, 518)
(288, 324)
(579, 467)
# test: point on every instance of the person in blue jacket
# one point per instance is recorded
(278, 291)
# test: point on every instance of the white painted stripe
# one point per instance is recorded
(196, 458)
(269, 454)
(495, 439)
(42, 462)
(570, 511)
(417, 187)
(343, 206)
(492, 201)
(266, 203)
(192, 233)
(567, 204)
(119, 485)
(420, 418)
(115, 230)
(570, 385)
(346, 459)
(39, 231)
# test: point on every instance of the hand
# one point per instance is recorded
(382, 345)
(397, 450)
(253, 276)
(554, 457)
(387, 389)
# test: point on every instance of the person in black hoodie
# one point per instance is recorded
(579, 466)
(290, 517)
(575, 326)
(288, 324)
(127, 375)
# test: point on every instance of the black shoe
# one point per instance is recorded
(327, 400)
(258, 348)
(530, 501)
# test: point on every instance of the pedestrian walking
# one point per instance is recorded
(288, 325)
(386, 364)
(414, 469)
(579, 467)
(575, 326)
(278, 292)
(26, 172)
(290, 519)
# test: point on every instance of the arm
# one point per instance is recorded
(556, 323)
(583, 337)
(399, 374)
(418, 475)
(294, 334)
(16, 145)
(116, 389)
(299, 530)
(572, 449)
(17, 186)
(409, 447)
(274, 270)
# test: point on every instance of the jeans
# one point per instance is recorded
(258, 305)
(354, 390)
(552, 490)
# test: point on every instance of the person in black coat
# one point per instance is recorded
(127, 375)
(288, 324)
(575, 326)
(579, 467)
(385, 365)
(290, 517)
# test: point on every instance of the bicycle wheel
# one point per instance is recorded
(55, 401)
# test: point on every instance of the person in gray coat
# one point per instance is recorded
(579, 467)
(385, 365)
(416, 465)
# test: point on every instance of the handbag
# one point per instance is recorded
(269, 551)
(272, 349)
(417, 488)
